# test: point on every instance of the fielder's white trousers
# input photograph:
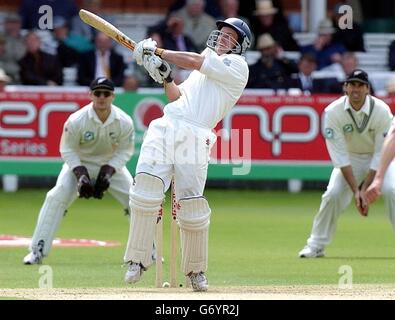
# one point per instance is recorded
(339, 195)
(176, 148)
(60, 197)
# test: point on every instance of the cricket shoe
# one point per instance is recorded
(134, 272)
(311, 252)
(198, 281)
(33, 258)
(36, 256)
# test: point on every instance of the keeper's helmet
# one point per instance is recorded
(243, 31)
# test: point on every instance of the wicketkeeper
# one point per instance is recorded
(97, 142)
(178, 144)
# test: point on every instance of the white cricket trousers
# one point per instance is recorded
(179, 149)
(175, 148)
(60, 197)
(339, 195)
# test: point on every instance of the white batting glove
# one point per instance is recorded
(158, 69)
(142, 48)
(149, 47)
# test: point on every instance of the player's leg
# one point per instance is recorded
(153, 175)
(194, 220)
(334, 201)
(146, 197)
(57, 200)
(194, 214)
(120, 185)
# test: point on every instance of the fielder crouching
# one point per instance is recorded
(179, 143)
(97, 142)
(355, 127)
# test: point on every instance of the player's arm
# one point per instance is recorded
(360, 201)
(382, 157)
(182, 59)
(387, 155)
(368, 180)
(172, 91)
(69, 145)
(350, 178)
(337, 148)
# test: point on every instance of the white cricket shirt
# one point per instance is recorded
(85, 139)
(361, 133)
(208, 94)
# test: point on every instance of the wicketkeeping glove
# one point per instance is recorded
(103, 181)
(84, 185)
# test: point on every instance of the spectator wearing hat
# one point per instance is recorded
(324, 49)
(269, 71)
(38, 67)
(4, 80)
(103, 61)
(268, 20)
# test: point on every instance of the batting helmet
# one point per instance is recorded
(242, 30)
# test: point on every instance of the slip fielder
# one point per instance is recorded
(355, 127)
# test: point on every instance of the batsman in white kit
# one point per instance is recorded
(355, 127)
(178, 144)
(96, 143)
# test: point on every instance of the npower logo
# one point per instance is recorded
(20, 116)
(271, 126)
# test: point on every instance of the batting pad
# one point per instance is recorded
(49, 219)
(146, 197)
(194, 220)
(147, 193)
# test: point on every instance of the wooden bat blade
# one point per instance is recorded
(107, 28)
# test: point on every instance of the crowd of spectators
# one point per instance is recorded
(29, 59)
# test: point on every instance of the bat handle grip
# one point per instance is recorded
(158, 52)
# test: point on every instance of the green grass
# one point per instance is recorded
(254, 240)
